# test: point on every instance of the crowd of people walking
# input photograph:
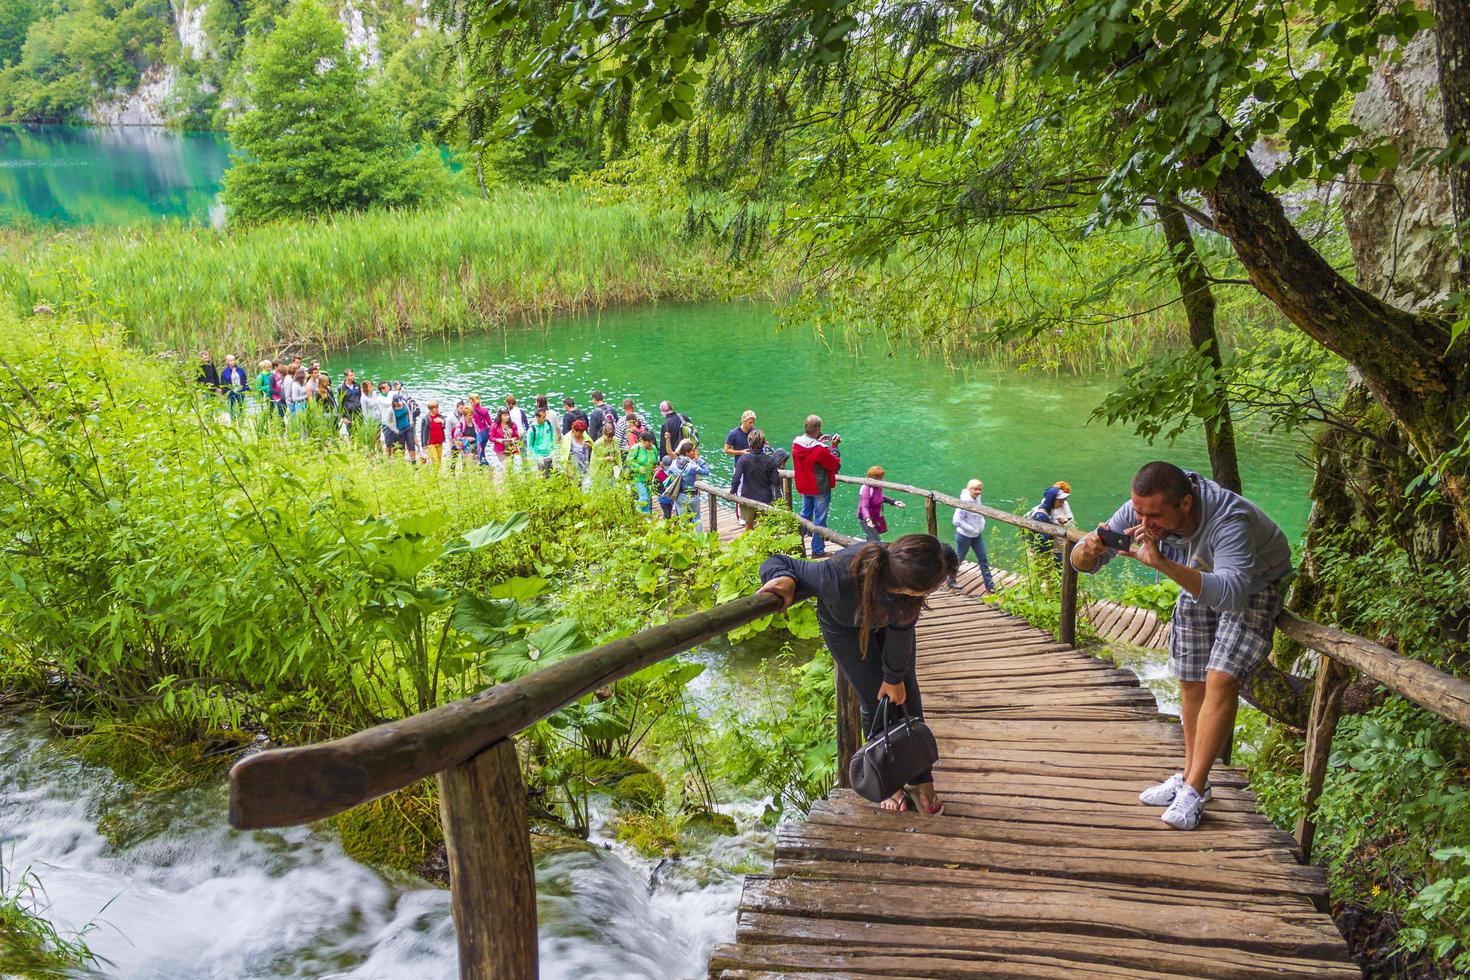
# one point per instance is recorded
(598, 443)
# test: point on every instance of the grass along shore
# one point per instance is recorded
(524, 255)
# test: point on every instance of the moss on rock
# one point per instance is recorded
(650, 834)
(708, 823)
(645, 791)
(398, 831)
(608, 773)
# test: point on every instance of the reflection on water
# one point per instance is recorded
(109, 175)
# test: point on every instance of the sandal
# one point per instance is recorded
(916, 801)
(899, 802)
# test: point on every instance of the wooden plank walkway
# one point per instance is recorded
(1045, 864)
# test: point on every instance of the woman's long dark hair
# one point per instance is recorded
(915, 562)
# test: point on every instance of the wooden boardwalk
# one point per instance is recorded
(1045, 864)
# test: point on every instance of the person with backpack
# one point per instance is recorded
(869, 597)
(518, 415)
(757, 477)
(600, 415)
(870, 506)
(686, 469)
(642, 461)
(969, 534)
(1045, 544)
(541, 442)
(676, 429)
(815, 459)
(630, 424)
(661, 481)
(570, 414)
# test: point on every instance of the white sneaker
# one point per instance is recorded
(1185, 811)
(1162, 794)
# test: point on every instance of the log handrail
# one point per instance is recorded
(287, 786)
(984, 510)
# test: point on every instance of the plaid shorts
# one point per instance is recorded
(1235, 643)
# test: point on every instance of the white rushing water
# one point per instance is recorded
(178, 894)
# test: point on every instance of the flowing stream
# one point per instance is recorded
(171, 891)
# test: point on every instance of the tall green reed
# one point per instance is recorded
(525, 254)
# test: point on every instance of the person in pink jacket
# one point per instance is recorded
(870, 506)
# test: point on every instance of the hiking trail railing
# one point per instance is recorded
(1066, 537)
(467, 745)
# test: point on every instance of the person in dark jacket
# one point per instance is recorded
(757, 477)
(869, 597)
(349, 396)
(208, 375)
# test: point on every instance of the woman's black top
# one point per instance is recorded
(838, 601)
(757, 476)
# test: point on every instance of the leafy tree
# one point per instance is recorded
(16, 17)
(416, 87)
(313, 141)
(1104, 106)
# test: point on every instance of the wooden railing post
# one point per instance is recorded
(1321, 724)
(714, 514)
(931, 516)
(786, 485)
(849, 727)
(1067, 632)
(482, 805)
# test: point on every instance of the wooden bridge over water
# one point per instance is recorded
(1044, 863)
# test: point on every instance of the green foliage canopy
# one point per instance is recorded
(314, 140)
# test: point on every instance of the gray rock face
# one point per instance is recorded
(1399, 225)
(146, 106)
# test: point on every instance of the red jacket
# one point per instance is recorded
(816, 465)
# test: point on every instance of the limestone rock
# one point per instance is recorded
(1398, 225)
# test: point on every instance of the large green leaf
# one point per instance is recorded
(489, 534)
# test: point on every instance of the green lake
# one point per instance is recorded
(109, 175)
(926, 424)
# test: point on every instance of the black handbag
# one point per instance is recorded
(894, 755)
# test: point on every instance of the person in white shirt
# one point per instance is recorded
(969, 534)
(1062, 512)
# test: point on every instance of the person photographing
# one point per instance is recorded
(869, 597)
(1228, 559)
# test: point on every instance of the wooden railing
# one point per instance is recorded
(1425, 685)
(468, 746)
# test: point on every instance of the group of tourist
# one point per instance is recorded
(1228, 558)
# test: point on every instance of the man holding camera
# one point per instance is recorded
(1228, 558)
(815, 460)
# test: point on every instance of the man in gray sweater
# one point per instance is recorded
(1228, 558)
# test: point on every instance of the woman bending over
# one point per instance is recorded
(868, 598)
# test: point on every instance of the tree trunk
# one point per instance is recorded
(1199, 309)
(1452, 37)
(1401, 356)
